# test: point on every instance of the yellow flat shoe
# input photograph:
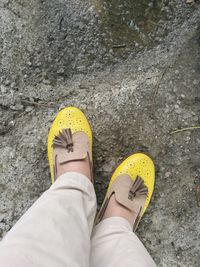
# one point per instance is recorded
(69, 139)
(132, 183)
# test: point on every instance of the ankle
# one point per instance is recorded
(76, 166)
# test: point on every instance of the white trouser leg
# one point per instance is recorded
(56, 230)
(115, 245)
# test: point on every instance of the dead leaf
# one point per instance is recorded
(198, 194)
(189, 1)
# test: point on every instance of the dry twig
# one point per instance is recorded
(185, 129)
(36, 103)
(119, 46)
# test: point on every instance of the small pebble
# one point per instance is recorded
(17, 107)
(28, 109)
(60, 71)
(7, 82)
(167, 174)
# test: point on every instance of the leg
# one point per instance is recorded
(115, 245)
(56, 230)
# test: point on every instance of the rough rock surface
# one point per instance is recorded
(56, 53)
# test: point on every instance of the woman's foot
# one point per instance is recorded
(70, 144)
(80, 166)
(130, 190)
(115, 209)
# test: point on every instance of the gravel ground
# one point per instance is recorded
(137, 78)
